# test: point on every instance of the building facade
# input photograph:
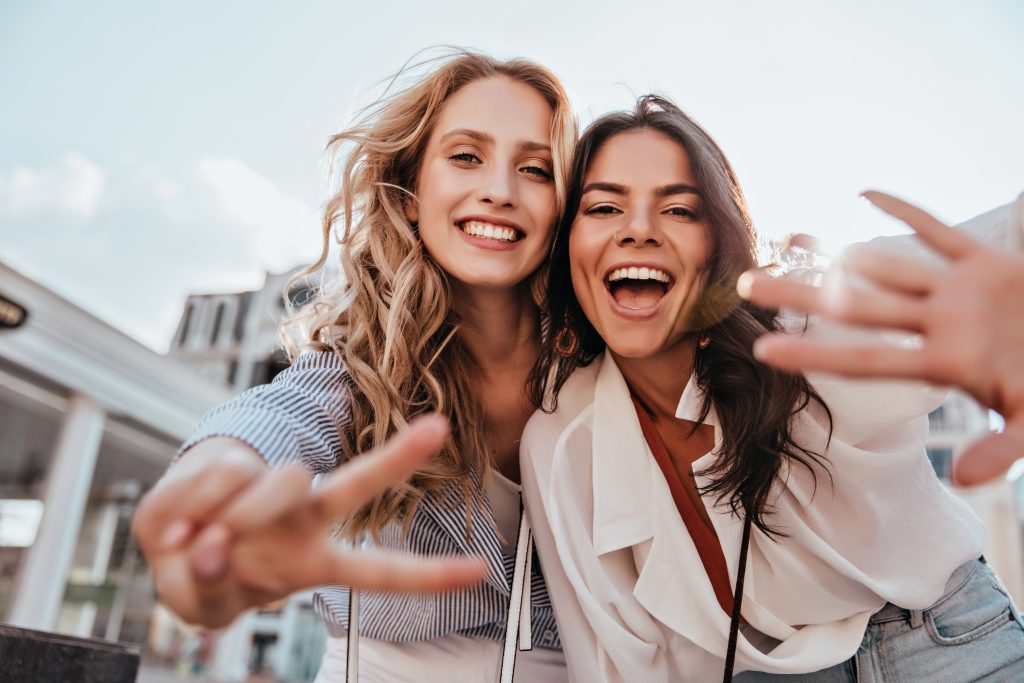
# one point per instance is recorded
(232, 338)
(89, 419)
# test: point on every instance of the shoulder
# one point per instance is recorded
(545, 430)
(318, 370)
(319, 359)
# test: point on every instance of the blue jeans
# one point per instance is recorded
(972, 633)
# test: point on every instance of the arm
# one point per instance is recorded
(234, 523)
(965, 303)
(297, 418)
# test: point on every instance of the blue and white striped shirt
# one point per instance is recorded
(300, 416)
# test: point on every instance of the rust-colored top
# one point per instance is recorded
(691, 508)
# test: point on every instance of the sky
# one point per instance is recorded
(152, 150)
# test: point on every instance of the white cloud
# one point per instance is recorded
(71, 187)
(280, 229)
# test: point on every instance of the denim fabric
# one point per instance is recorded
(972, 633)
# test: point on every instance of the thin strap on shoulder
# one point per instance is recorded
(737, 604)
(518, 631)
(352, 655)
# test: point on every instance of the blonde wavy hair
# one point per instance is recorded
(389, 316)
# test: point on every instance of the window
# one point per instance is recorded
(267, 369)
(240, 314)
(942, 461)
(186, 321)
(300, 296)
(218, 318)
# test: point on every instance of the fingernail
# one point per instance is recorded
(175, 534)
(208, 564)
(209, 559)
(435, 422)
(744, 285)
(759, 352)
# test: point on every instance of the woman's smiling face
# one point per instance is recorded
(640, 243)
(486, 207)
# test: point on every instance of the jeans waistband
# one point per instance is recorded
(960, 576)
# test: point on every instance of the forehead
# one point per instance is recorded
(641, 159)
(505, 108)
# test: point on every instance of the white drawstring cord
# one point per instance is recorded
(352, 656)
(525, 618)
(519, 604)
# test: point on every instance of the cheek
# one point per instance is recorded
(543, 210)
(581, 267)
(430, 188)
(695, 251)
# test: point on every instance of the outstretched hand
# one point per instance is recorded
(969, 315)
(232, 534)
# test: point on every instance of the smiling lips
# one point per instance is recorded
(638, 288)
(490, 231)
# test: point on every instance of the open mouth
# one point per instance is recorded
(490, 231)
(638, 288)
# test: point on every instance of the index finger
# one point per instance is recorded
(360, 480)
(944, 239)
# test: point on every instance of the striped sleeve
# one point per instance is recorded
(299, 417)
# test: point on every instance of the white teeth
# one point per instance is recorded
(639, 273)
(489, 231)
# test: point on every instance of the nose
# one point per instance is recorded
(640, 231)
(498, 186)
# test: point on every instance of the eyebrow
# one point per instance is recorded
(663, 191)
(487, 139)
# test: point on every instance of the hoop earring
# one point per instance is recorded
(567, 342)
(704, 341)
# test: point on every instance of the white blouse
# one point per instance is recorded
(633, 600)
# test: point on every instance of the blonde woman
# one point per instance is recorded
(450, 192)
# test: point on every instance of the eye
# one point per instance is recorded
(602, 210)
(682, 212)
(465, 158)
(537, 170)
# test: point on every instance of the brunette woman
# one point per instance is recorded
(696, 511)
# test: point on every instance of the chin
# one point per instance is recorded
(490, 280)
(638, 348)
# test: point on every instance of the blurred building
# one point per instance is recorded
(952, 427)
(89, 419)
(232, 339)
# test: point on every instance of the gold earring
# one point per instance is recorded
(567, 342)
(704, 341)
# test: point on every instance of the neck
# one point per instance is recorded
(500, 328)
(658, 381)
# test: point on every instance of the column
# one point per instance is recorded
(43, 573)
(106, 529)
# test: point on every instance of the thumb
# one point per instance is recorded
(991, 456)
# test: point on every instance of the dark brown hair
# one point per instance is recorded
(754, 403)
